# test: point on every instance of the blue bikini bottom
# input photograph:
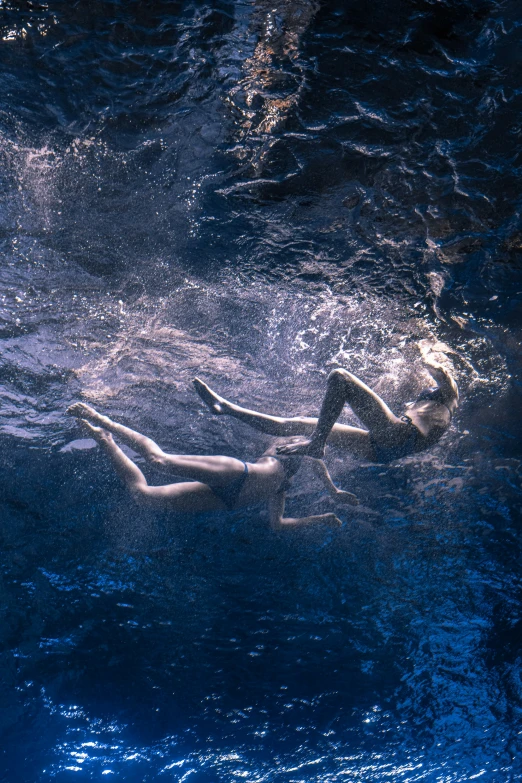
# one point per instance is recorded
(229, 493)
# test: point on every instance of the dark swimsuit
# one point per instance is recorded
(415, 441)
(229, 493)
(388, 453)
(290, 465)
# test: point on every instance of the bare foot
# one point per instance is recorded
(305, 448)
(346, 498)
(216, 403)
(83, 411)
(100, 435)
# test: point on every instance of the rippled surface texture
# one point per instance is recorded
(257, 192)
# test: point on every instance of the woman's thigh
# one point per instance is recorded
(366, 404)
(206, 469)
(190, 497)
(352, 439)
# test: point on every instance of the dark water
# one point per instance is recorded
(258, 192)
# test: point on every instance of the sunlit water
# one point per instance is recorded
(257, 196)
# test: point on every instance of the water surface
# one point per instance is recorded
(258, 193)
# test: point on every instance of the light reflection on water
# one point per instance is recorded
(111, 756)
(194, 618)
(169, 619)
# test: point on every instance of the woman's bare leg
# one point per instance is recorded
(215, 470)
(343, 436)
(192, 497)
(144, 446)
(126, 469)
(342, 388)
(270, 425)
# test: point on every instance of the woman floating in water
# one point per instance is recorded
(387, 437)
(215, 483)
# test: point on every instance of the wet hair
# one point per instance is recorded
(435, 393)
(438, 395)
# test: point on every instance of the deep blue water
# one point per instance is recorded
(257, 192)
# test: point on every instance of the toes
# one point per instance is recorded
(286, 448)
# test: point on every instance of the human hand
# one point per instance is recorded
(347, 498)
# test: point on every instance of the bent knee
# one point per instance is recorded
(340, 376)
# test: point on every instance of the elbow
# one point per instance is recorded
(283, 522)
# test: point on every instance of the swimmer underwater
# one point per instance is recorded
(387, 437)
(216, 483)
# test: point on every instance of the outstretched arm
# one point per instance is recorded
(276, 509)
(322, 473)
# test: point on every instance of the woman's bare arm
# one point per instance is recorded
(322, 473)
(276, 509)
